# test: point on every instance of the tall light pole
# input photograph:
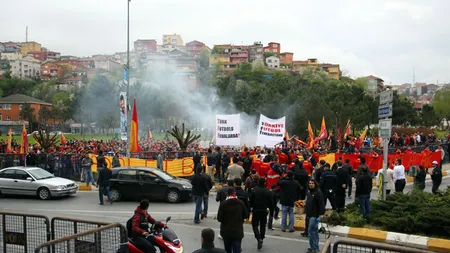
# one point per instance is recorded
(128, 77)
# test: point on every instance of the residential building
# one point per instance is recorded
(29, 47)
(273, 62)
(376, 84)
(42, 56)
(68, 57)
(298, 65)
(432, 88)
(11, 47)
(108, 65)
(10, 56)
(172, 39)
(273, 47)
(2, 47)
(11, 106)
(26, 67)
(332, 69)
(286, 59)
(238, 56)
(195, 47)
(52, 70)
(219, 59)
(256, 51)
(145, 46)
(53, 55)
(70, 83)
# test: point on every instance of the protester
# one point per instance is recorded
(251, 181)
(314, 209)
(211, 162)
(419, 179)
(140, 228)
(116, 161)
(436, 176)
(235, 171)
(197, 159)
(221, 196)
(208, 242)
(199, 190)
(86, 164)
(103, 184)
(351, 173)
(276, 210)
(160, 161)
(241, 193)
(232, 213)
(341, 185)
(399, 176)
(209, 186)
(328, 185)
(363, 190)
(261, 199)
(290, 193)
(301, 175)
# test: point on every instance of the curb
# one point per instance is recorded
(422, 242)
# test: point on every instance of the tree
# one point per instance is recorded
(204, 58)
(441, 104)
(27, 114)
(44, 115)
(184, 138)
(45, 139)
(429, 117)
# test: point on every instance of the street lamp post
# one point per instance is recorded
(128, 78)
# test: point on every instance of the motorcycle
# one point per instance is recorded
(165, 239)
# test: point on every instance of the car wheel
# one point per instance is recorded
(115, 195)
(43, 193)
(173, 196)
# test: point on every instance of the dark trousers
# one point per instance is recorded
(303, 192)
(364, 204)
(259, 218)
(275, 213)
(306, 225)
(329, 194)
(232, 246)
(340, 198)
(400, 185)
(145, 244)
(350, 186)
(436, 184)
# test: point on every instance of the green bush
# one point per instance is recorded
(414, 213)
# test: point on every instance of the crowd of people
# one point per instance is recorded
(288, 177)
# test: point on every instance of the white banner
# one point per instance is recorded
(270, 131)
(228, 130)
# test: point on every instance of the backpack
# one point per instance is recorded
(130, 225)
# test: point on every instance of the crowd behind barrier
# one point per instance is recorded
(181, 164)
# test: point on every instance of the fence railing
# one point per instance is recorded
(22, 232)
(62, 227)
(344, 245)
(110, 238)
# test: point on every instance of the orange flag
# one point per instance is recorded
(134, 145)
(286, 135)
(149, 134)
(323, 132)
(347, 129)
(24, 144)
(63, 139)
(310, 132)
(363, 135)
(9, 147)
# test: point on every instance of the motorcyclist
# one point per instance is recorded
(140, 228)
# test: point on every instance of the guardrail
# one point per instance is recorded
(108, 239)
(62, 227)
(22, 232)
(343, 245)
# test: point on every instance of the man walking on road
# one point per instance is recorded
(290, 193)
(199, 189)
(232, 213)
(261, 199)
(103, 183)
(209, 186)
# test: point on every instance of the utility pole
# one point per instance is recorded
(26, 34)
(127, 78)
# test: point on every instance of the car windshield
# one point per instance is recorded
(164, 175)
(39, 174)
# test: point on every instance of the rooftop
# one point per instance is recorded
(22, 99)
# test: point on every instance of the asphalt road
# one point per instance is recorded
(84, 205)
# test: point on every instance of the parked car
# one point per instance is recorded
(151, 183)
(34, 181)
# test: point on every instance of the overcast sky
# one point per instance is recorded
(386, 38)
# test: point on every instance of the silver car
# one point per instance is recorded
(34, 181)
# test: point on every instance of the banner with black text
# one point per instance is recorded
(270, 131)
(228, 130)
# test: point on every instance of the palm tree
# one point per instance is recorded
(45, 139)
(184, 140)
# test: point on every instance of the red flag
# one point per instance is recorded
(63, 139)
(323, 132)
(134, 145)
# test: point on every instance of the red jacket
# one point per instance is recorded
(290, 166)
(137, 220)
(272, 178)
(256, 165)
(282, 157)
(308, 167)
(264, 169)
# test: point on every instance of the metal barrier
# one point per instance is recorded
(110, 238)
(344, 245)
(22, 232)
(62, 227)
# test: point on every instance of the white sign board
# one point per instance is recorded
(384, 128)
(385, 111)
(270, 131)
(228, 130)
(386, 97)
